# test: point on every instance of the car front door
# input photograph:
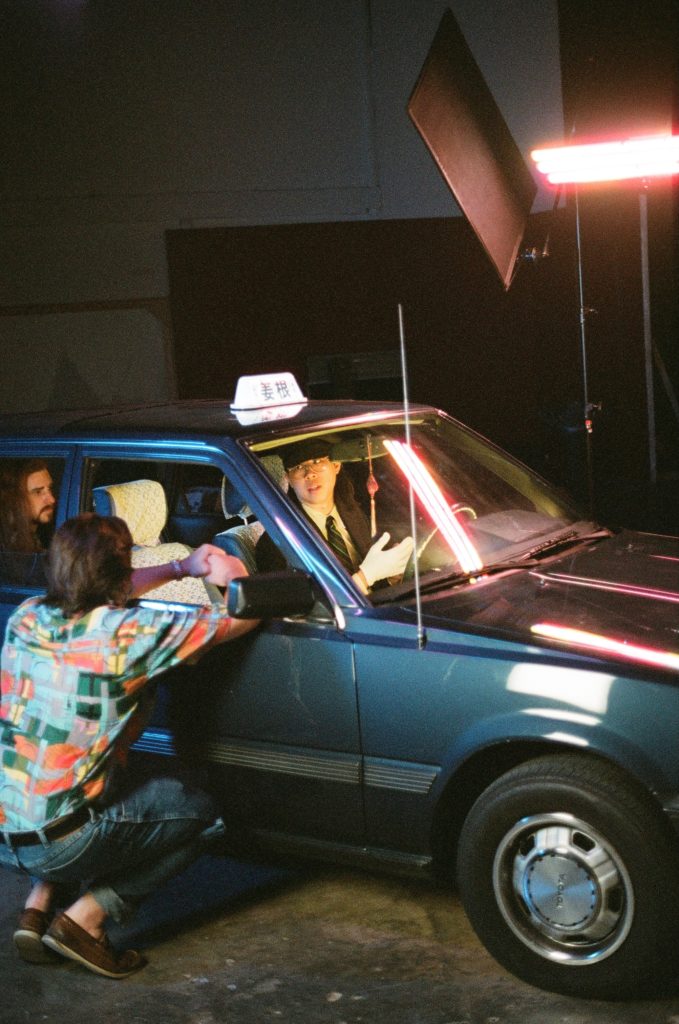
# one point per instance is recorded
(275, 715)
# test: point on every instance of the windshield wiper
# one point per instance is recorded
(437, 581)
(554, 543)
(529, 560)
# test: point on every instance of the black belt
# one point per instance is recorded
(55, 830)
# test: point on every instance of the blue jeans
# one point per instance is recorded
(127, 850)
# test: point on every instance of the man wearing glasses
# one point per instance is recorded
(326, 497)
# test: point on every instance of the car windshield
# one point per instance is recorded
(472, 505)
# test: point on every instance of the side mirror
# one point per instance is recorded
(270, 595)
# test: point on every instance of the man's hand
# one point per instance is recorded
(213, 564)
(224, 568)
(379, 564)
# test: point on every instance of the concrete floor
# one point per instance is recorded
(230, 942)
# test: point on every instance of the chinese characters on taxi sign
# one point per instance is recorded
(267, 396)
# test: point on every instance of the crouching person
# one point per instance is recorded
(75, 671)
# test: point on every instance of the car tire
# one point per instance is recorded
(570, 877)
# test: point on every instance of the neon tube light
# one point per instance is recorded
(431, 497)
(649, 156)
(606, 644)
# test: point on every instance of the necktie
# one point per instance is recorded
(337, 543)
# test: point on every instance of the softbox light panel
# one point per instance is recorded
(461, 124)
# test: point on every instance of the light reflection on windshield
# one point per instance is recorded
(429, 494)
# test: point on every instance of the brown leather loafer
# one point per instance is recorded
(68, 938)
(28, 937)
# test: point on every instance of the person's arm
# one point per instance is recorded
(207, 561)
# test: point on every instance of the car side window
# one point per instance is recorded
(170, 508)
(29, 491)
(161, 500)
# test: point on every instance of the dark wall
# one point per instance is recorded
(619, 66)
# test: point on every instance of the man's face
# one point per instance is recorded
(313, 482)
(41, 500)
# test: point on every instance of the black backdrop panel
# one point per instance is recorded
(456, 115)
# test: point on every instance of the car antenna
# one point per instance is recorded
(421, 635)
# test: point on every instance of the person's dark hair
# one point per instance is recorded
(302, 451)
(88, 564)
(17, 532)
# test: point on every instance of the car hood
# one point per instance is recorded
(621, 595)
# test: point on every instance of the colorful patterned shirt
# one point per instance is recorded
(73, 697)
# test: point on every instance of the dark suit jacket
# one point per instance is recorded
(269, 558)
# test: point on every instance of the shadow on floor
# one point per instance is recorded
(205, 890)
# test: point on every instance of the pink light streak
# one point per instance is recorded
(431, 497)
(606, 644)
(616, 588)
(649, 156)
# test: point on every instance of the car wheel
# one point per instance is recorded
(570, 877)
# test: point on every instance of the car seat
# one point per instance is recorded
(241, 540)
(143, 506)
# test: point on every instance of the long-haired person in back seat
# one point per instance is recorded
(27, 507)
(75, 666)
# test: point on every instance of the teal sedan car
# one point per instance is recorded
(503, 713)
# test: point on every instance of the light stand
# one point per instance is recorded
(648, 337)
(639, 158)
(587, 407)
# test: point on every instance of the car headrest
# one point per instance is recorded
(141, 503)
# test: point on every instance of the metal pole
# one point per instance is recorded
(587, 408)
(421, 635)
(648, 340)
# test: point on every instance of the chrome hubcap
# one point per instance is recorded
(562, 889)
(562, 893)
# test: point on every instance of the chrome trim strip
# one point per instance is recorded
(338, 768)
(345, 768)
(405, 778)
(156, 741)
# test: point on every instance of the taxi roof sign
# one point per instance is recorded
(267, 396)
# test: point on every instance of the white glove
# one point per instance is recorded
(379, 564)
